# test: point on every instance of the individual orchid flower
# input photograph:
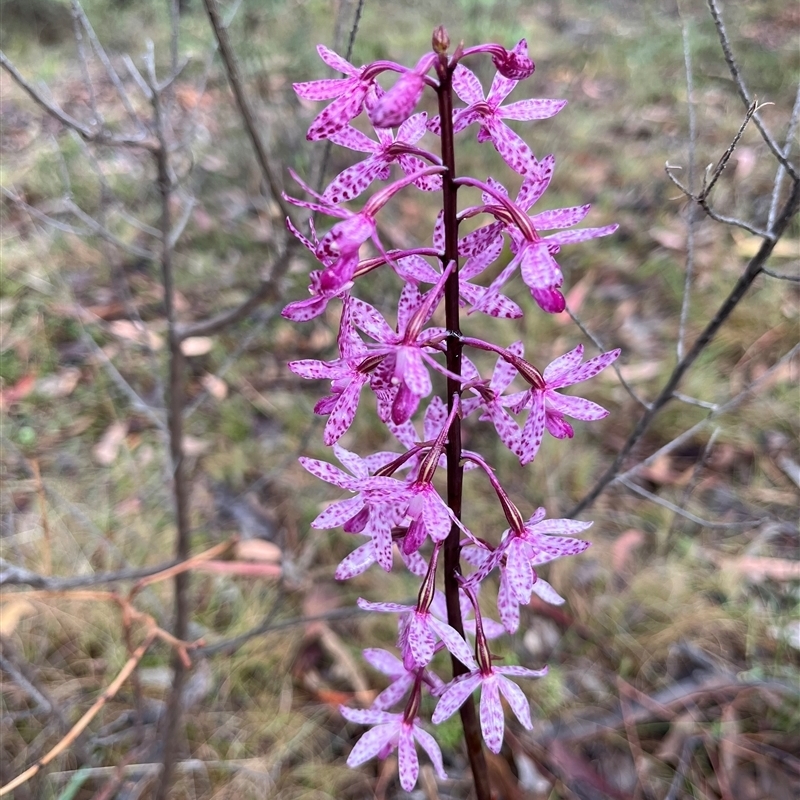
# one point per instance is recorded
(524, 546)
(547, 406)
(370, 491)
(489, 114)
(480, 248)
(348, 375)
(488, 396)
(493, 682)
(393, 732)
(534, 254)
(402, 678)
(389, 148)
(348, 94)
(338, 249)
(420, 630)
(402, 374)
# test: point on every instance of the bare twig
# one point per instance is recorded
(693, 401)
(109, 67)
(696, 473)
(99, 135)
(245, 109)
(747, 98)
(84, 721)
(12, 575)
(267, 290)
(97, 118)
(228, 646)
(726, 156)
(44, 703)
(176, 402)
(781, 276)
(689, 746)
(791, 131)
(154, 415)
(751, 272)
(615, 366)
(676, 509)
(724, 408)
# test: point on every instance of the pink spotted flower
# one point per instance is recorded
(393, 732)
(338, 248)
(489, 114)
(523, 547)
(389, 148)
(349, 94)
(534, 254)
(548, 407)
(492, 682)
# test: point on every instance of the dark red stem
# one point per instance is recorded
(455, 471)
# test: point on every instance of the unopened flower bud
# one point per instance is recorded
(440, 40)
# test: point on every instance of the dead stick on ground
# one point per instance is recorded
(84, 721)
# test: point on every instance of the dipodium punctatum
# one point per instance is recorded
(394, 503)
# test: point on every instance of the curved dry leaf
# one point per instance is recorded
(135, 332)
(257, 550)
(106, 450)
(196, 346)
(11, 613)
(215, 386)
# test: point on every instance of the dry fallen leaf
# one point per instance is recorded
(61, 384)
(257, 550)
(623, 548)
(135, 332)
(215, 386)
(22, 388)
(759, 568)
(193, 447)
(248, 569)
(11, 613)
(196, 346)
(106, 450)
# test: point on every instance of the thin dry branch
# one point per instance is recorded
(229, 646)
(242, 101)
(682, 512)
(743, 91)
(175, 406)
(83, 722)
(615, 366)
(13, 575)
(267, 290)
(754, 268)
(97, 134)
(718, 411)
(109, 67)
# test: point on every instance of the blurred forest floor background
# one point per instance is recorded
(674, 663)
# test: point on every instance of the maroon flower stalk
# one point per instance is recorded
(394, 503)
